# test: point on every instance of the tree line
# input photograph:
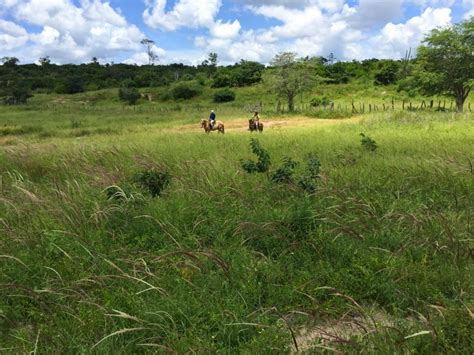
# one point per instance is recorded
(443, 65)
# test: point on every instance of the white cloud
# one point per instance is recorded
(11, 35)
(75, 33)
(395, 39)
(225, 29)
(185, 13)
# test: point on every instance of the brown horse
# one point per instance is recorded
(255, 127)
(218, 126)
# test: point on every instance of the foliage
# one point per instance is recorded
(225, 95)
(262, 165)
(70, 85)
(130, 95)
(319, 101)
(309, 179)
(387, 74)
(15, 94)
(368, 143)
(153, 181)
(185, 91)
(386, 240)
(446, 61)
(284, 174)
(221, 80)
(290, 77)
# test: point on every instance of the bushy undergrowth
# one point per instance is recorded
(230, 262)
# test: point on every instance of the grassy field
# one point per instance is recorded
(377, 259)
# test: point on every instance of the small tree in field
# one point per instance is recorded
(290, 77)
(447, 61)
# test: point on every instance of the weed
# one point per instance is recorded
(154, 182)
(309, 180)
(284, 174)
(262, 165)
(368, 143)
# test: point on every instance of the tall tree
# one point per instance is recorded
(10, 61)
(152, 56)
(447, 61)
(290, 77)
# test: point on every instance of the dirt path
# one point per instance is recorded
(295, 121)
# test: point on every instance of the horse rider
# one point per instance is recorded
(256, 119)
(212, 119)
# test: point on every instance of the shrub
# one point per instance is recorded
(320, 101)
(71, 85)
(185, 91)
(284, 174)
(130, 95)
(308, 181)
(154, 182)
(387, 74)
(221, 80)
(368, 143)
(263, 163)
(225, 95)
(16, 94)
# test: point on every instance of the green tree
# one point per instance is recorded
(290, 77)
(10, 61)
(447, 61)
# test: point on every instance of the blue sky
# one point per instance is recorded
(74, 31)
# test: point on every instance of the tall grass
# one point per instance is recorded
(231, 262)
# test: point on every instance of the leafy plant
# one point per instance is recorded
(185, 91)
(319, 101)
(368, 143)
(225, 95)
(284, 174)
(154, 182)
(129, 94)
(308, 181)
(262, 165)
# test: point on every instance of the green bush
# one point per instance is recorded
(154, 182)
(225, 95)
(130, 95)
(284, 174)
(320, 101)
(221, 80)
(71, 85)
(368, 143)
(185, 91)
(263, 163)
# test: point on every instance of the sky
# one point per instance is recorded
(185, 31)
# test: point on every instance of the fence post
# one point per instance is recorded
(403, 104)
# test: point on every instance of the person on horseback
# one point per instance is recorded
(255, 119)
(212, 119)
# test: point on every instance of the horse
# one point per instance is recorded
(254, 127)
(218, 126)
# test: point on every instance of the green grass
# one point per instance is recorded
(225, 261)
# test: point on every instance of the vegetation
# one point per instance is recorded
(129, 94)
(225, 95)
(126, 229)
(447, 61)
(290, 77)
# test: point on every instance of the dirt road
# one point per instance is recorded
(277, 123)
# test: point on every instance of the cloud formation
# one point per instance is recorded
(68, 32)
(77, 30)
